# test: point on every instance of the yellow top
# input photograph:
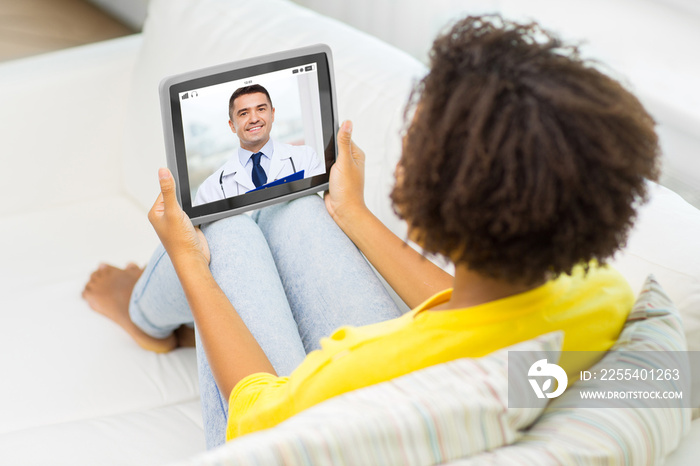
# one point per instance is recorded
(591, 311)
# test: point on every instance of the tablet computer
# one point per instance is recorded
(247, 134)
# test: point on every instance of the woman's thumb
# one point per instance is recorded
(345, 134)
(167, 187)
(345, 142)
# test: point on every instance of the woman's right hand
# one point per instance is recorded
(345, 195)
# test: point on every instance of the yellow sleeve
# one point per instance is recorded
(262, 394)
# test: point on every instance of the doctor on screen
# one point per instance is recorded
(260, 160)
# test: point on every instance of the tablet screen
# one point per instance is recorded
(248, 134)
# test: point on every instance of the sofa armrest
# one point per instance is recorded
(62, 120)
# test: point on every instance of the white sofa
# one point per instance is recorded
(81, 141)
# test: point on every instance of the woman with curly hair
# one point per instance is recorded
(522, 164)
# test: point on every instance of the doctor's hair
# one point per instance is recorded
(521, 160)
(252, 89)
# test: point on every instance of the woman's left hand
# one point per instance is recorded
(180, 238)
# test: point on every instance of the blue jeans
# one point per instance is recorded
(291, 274)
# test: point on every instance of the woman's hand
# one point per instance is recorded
(407, 272)
(180, 238)
(345, 194)
(232, 351)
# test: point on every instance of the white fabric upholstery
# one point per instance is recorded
(143, 437)
(664, 242)
(63, 121)
(75, 389)
(81, 143)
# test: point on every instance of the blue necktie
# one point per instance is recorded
(259, 176)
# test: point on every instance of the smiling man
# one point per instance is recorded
(260, 160)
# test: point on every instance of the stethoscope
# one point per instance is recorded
(221, 179)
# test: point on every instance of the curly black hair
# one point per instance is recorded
(521, 160)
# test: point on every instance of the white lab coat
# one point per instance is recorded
(232, 178)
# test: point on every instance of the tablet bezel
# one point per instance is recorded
(170, 89)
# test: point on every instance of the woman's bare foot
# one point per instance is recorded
(108, 292)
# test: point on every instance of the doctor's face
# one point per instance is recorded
(252, 118)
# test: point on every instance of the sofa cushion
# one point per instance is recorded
(437, 414)
(373, 79)
(576, 431)
(664, 242)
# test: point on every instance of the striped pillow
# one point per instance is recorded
(437, 414)
(571, 433)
